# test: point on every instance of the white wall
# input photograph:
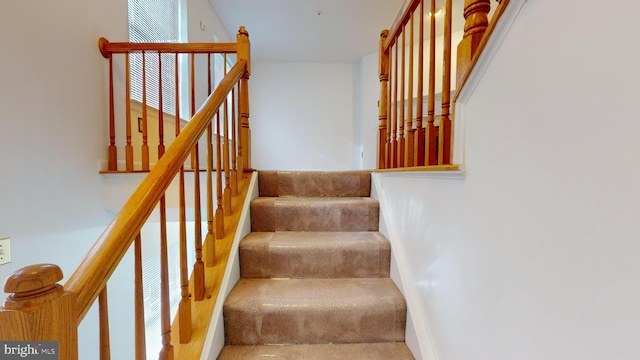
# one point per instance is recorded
(52, 135)
(302, 116)
(202, 25)
(367, 121)
(535, 254)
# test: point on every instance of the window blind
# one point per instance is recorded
(155, 21)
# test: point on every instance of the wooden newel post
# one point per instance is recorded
(383, 104)
(244, 147)
(39, 309)
(476, 22)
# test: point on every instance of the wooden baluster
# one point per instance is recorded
(103, 311)
(420, 138)
(219, 210)
(210, 240)
(141, 345)
(39, 309)
(165, 311)
(113, 151)
(234, 170)
(383, 105)
(241, 134)
(226, 196)
(244, 149)
(198, 266)
(167, 352)
(394, 119)
(444, 151)
(128, 149)
(160, 109)
(192, 81)
(193, 98)
(177, 117)
(476, 22)
(145, 144)
(388, 147)
(401, 140)
(184, 308)
(209, 73)
(410, 132)
(431, 140)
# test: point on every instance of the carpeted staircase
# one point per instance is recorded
(315, 274)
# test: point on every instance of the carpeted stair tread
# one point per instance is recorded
(314, 214)
(315, 274)
(314, 311)
(314, 183)
(360, 351)
(293, 254)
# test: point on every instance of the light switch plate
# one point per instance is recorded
(5, 251)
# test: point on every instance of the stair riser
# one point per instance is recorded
(273, 214)
(369, 351)
(314, 184)
(312, 328)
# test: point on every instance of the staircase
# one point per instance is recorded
(315, 274)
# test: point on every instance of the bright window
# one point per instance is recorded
(156, 21)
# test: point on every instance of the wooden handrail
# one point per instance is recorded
(107, 48)
(402, 18)
(90, 277)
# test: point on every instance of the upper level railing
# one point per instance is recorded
(409, 135)
(39, 309)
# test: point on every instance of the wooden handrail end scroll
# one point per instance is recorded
(102, 45)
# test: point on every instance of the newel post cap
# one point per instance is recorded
(33, 285)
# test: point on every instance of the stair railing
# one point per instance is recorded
(406, 137)
(40, 309)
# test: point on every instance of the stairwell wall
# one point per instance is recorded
(534, 254)
(302, 116)
(53, 133)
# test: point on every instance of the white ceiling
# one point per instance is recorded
(292, 30)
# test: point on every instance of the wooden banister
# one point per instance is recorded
(107, 48)
(408, 8)
(409, 136)
(95, 269)
(40, 309)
